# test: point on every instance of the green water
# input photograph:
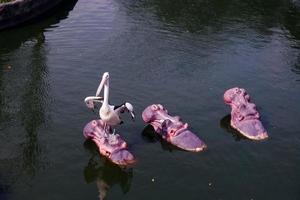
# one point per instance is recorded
(182, 54)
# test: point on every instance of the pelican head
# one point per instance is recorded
(129, 107)
(105, 76)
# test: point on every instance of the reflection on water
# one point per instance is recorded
(24, 99)
(292, 19)
(297, 66)
(34, 102)
(225, 17)
(196, 14)
(225, 124)
(105, 174)
(292, 24)
(3, 113)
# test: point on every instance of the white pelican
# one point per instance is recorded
(109, 114)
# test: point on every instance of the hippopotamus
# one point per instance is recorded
(172, 129)
(244, 116)
(110, 145)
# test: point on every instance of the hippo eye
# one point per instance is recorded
(241, 105)
(240, 117)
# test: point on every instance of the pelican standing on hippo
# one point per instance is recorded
(110, 145)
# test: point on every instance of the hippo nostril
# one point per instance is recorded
(172, 132)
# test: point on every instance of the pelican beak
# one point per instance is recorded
(129, 108)
(132, 115)
(104, 79)
(90, 101)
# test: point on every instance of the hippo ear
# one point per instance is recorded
(247, 96)
(154, 107)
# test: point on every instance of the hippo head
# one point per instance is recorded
(150, 113)
(236, 94)
(171, 128)
(89, 129)
(244, 116)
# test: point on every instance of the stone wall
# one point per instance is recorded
(19, 11)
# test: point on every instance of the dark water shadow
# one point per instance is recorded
(25, 107)
(104, 173)
(13, 38)
(195, 15)
(63, 5)
(225, 124)
(149, 135)
(296, 69)
(292, 24)
(34, 103)
(217, 18)
(4, 115)
(291, 20)
(4, 191)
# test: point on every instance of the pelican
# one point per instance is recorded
(109, 114)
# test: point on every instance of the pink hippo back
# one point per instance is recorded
(109, 145)
(244, 116)
(171, 128)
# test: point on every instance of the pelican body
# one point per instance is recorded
(109, 114)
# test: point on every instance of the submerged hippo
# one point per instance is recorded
(244, 116)
(172, 129)
(110, 145)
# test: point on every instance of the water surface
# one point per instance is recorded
(182, 54)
